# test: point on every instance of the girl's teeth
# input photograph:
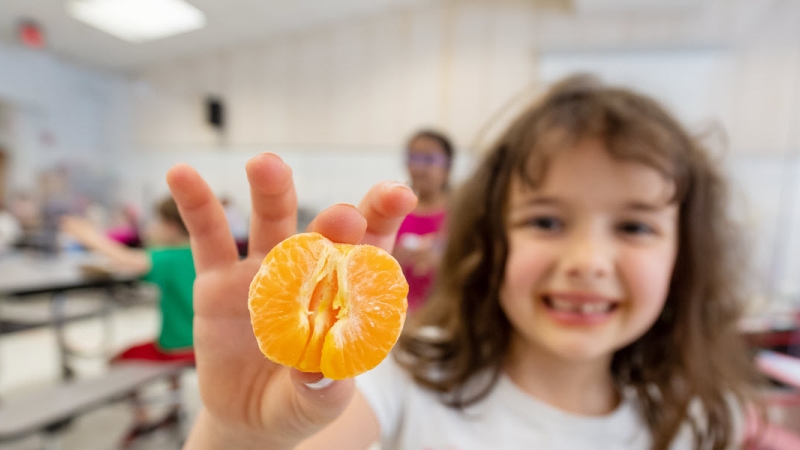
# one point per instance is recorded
(562, 305)
(594, 308)
(585, 308)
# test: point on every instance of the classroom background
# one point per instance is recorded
(94, 118)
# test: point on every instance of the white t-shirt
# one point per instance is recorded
(412, 417)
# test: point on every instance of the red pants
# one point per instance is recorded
(149, 351)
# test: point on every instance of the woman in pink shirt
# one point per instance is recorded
(429, 156)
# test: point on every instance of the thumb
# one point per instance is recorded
(320, 400)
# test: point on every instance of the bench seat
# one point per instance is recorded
(49, 407)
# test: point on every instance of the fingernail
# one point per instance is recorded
(321, 384)
(349, 205)
(393, 184)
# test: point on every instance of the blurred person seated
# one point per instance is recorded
(124, 226)
(10, 230)
(25, 209)
(56, 202)
(167, 262)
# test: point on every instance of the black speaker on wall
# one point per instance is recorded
(215, 112)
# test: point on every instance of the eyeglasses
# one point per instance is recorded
(427, 160)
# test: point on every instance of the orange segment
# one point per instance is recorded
(368, 327)
(324, 307)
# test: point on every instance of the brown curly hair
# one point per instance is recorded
(692, 354)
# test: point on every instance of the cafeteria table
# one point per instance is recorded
(26, 275)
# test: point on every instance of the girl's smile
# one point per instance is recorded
(579, 308)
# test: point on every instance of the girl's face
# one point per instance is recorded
(427, 165)
(591, 253)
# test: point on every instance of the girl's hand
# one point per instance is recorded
(250, 401)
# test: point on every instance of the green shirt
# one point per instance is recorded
(172, 270)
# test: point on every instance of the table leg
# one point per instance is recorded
(58, 307)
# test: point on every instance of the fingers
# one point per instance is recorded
(375, 222)
(385, 206)
(340, 223)
(274, 218)
(274, 203)
(210, 236)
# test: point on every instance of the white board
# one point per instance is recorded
(694, 84)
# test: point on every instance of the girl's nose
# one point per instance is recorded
(589, 255)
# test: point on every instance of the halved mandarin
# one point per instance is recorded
(332, 308)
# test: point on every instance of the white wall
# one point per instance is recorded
(367, 82)
(370, 81)
(695, 84)
(766, 195)
(60, 112)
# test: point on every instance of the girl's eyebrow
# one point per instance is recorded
(638, 205)
(535, 200)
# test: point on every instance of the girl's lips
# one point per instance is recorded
(580, 297)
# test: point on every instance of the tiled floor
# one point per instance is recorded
(29, 361)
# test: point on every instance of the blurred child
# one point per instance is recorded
(429, 157)
(587, 299)
(10, 230)
(124, 226)
(167, 262)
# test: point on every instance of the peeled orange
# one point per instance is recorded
(332, 308)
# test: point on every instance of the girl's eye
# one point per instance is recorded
(546, 223)
(636, 228)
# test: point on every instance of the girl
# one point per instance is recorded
(585, 300)
(429, 159)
